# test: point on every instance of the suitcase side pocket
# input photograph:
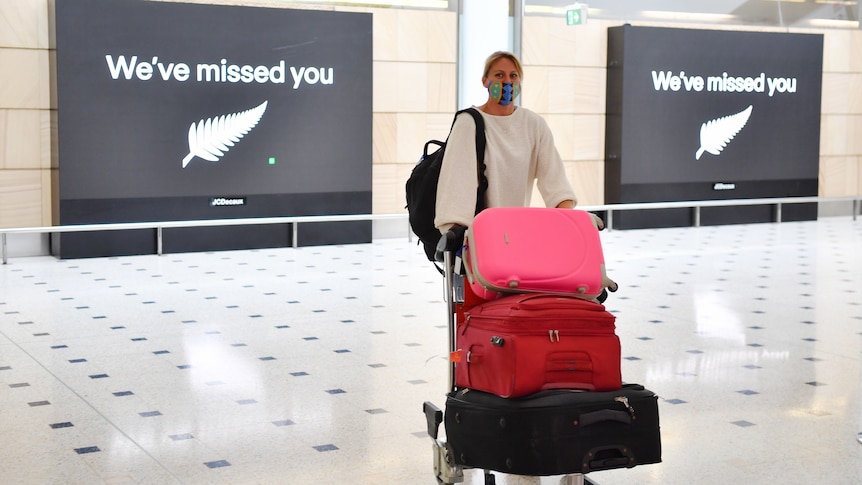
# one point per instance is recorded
(569, 370)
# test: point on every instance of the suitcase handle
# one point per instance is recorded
(608, 458)
(604, 415)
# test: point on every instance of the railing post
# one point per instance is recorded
(295, 234)
(697, 216)
(159, 240)
(778, 212)
(609, 220)
(3, 243)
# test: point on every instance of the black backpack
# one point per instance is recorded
(422, 186)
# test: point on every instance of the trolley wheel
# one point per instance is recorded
(490, 479)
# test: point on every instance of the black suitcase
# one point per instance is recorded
(553, 432)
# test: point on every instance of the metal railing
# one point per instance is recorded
(295, 221)
(697, 205)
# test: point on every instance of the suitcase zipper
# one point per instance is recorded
(625, 402)
(477, 321)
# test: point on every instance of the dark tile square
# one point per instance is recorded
(217, 464)
(329, 447)
(88, 449)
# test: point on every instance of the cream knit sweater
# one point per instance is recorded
(520, 150)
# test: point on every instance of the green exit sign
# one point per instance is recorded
(576, 14)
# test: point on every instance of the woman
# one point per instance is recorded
(520, 150)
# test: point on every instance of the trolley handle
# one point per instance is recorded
(451, 241)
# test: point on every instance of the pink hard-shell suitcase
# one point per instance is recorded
(532, 249)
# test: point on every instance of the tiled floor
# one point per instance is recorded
(310, 365)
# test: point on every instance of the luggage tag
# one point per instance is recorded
(457, 267)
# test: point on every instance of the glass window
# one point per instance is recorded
(783, 13)
(423, 4)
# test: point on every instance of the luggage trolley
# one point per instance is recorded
(573, 463)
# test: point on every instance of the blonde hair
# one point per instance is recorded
(502, 55)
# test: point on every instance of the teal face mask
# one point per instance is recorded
(504, 93)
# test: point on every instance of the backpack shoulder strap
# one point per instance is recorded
(482, 185)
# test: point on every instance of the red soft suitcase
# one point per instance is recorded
(521, 344)
(532, 249)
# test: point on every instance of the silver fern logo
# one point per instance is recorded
(717, 133)
(211, 138)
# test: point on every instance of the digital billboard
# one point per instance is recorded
(710, 114)
(176, 111)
